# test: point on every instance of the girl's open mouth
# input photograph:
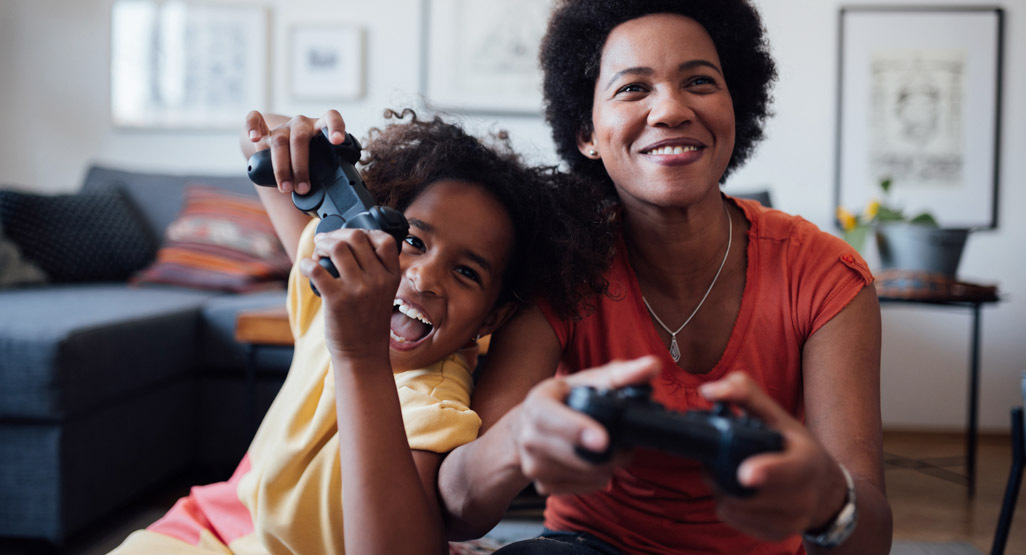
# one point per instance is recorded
(409, 326)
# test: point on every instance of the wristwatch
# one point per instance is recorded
(834, 533)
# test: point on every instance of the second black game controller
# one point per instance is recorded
(718, 438)
(337, 195)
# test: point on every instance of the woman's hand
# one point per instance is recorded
(289, 142)
(358, 304)
(798, 489)
(546, 431)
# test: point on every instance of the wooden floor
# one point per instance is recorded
(925, 485)
(929, 500)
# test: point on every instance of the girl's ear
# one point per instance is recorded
(496, 318)
(586, 145)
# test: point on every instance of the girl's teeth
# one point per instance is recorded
(411, 312)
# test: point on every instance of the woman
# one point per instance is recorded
(723, 299)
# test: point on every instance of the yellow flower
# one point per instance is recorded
(846, 218)
(872, 209)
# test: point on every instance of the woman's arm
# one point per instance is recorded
(478, 480)
(528, 433)
(803, 488)
(289, 141)
(383, 483)
(841, 372)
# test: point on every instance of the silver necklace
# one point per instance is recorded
(674, 349)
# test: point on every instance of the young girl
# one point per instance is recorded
(485, 234)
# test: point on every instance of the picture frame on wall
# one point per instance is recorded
(482, 55)
(178, 65)
(919, 103)
(327, 62)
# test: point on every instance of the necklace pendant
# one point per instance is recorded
(674, 349)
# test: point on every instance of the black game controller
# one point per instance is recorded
(337, 193)
(718, 438)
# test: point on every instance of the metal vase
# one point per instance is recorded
(921, 248)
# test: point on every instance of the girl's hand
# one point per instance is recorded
(546, 431)
(798, 489)
(357, 304)
(290, 145)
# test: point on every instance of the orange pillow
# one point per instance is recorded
(221, 241)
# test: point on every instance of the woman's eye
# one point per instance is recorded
(468, 273)
(702, 81)
(414, 242)
(631, 88)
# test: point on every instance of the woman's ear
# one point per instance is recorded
(586, 145)
(496, 318)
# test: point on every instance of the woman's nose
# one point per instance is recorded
(669, 109)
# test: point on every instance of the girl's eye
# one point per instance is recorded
(468, 273)
(415, 242)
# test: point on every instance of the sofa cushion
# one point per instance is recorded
(222, 241)
(67, 348)
(97, 236)
(160, 196)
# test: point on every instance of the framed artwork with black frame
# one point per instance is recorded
(919, 103)
(482, 55)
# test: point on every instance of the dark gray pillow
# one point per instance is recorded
(14, 269)
(96, 236)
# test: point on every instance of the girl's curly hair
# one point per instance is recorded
(553, 238)
(571, 54)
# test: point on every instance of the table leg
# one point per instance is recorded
(974, 386)
(250, 410)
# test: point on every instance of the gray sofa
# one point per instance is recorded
(108, 390)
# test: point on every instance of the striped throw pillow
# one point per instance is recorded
(221, 241)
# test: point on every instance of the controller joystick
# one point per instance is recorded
(717, 438)
(337, 195)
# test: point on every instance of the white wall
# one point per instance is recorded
(54, 86)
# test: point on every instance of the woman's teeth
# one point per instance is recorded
(673, 150)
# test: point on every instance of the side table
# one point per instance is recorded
(265, 328)
(902, 287)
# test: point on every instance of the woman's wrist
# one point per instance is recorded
(835, 529)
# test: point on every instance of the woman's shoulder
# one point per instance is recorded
(771, 224)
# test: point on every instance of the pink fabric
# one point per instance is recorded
(215, 508)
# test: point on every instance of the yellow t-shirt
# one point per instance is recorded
(286, 495)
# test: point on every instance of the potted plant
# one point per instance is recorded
(914, 243)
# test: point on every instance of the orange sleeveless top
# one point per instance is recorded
(798, 278)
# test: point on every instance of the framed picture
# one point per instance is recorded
(482, 55)
(919, 101)
(191, 66)
(327, 62)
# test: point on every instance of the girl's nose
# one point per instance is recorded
(425, 275)
(669, 109)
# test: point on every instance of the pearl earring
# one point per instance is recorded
(593, 152)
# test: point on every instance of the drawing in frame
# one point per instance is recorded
(482, 55)
(919, 99)
(327, 62)
(179, 65)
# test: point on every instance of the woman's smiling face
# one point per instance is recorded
(662, 118)
(452, 262)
